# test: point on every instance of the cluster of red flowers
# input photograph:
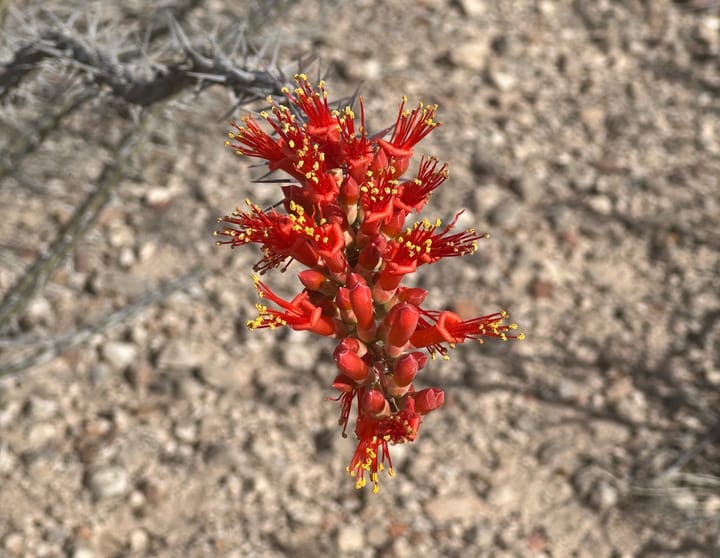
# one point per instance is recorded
(343, 217)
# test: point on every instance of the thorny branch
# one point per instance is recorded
(118, 73)
(166, 82)
(39, 130)
(48, 350)
(20, 294)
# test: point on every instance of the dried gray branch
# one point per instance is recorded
(191, 63)
(38, 131)
(20, 294)
(49, 349)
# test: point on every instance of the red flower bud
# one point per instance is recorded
(343, 383)
(403, 320)
(406, 368)
(427, 400)
(393, 389)
(361, 301)
(342, 301)
(371, 255)
(413, 295)
(349, 362)
(349, 191)
(313, 280)
(393, 226)
(375, 404)
(351, 344)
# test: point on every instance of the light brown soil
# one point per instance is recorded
(585, 136)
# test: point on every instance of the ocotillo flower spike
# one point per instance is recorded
(344, 220)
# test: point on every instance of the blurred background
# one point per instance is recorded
(139, 417)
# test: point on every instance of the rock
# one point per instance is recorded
(685, 500)
(83, 552)
(473, 8)
(100, 373)
(39, 408)
(41, 434)
(138, 540)
(456, 507)
(594, 119)
(502, 496)
(127, 257)
(118, 354)
(38, 312)
(604, 495)
(507, 214)
(350, 538)
(186, 432)
(502, 80)
(7, 459)
(157, 198)
(108, 482)
(601, 204)
(299, 352)
(14, 544)
(472, 54)
(182, 354)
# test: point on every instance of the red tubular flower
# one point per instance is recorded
(348, 391)
(300, 314)
(281, 238)
(321, 123)
(357, 151)
(414, 194)
(374, 437)
(253, 141)
(371, 255)
(410, 127)
(342, 216)
(451, 329)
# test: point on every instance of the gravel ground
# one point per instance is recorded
(585, 136)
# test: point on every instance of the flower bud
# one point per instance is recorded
(371, 255)
(313, 280)
(349, 191)
(361, 301)
(413, 295)
(406, 368)
(375, 404)
(348, 357)
(427, 400)
(394, 226)
(393, 388)
(343, 383)
(342, 302)
(403, 320)
(351, 344)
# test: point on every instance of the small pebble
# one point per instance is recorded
(109, 481)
